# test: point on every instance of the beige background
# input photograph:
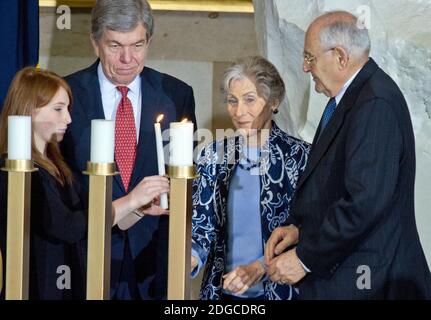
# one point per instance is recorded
(192, 46)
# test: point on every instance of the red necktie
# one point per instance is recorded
(125, 137)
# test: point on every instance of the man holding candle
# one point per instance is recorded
(34, 120)
(118, 87)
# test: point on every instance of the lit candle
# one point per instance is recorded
(102, 141)
(160, 158)
(19, 138)
(181, 143)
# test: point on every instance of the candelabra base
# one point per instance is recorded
(18, 228)
(99, 229)
(180, 232)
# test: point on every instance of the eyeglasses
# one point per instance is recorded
(309, 58)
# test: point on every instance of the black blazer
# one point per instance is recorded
(355, 201)
(57, 229)
(148, 239)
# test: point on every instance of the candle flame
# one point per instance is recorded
(160, 118)
(184, 120)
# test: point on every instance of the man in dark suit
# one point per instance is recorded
(353, 220)
(118, 87)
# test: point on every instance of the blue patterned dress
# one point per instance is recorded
(285, 160)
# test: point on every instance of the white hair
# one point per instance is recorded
(261, 72)
(350, 36)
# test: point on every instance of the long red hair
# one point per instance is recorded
(30, 89)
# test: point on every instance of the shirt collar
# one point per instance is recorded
(107, 86)
(340, 95)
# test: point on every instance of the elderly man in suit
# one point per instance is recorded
(119, 87)
(352, 224)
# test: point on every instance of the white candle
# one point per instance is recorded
(160, 159)
(19, 138)
(102, 141)
(181, 144)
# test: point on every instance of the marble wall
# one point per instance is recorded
(400, 33)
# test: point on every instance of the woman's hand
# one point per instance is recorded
(243, 277)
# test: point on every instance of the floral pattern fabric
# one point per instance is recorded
(279, 170)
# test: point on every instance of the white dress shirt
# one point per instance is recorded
(111, 98)
(343, 90)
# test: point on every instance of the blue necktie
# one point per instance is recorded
(327, 114)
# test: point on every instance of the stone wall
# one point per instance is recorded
(400, 33)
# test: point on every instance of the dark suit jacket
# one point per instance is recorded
(148, 239)
(355, 201)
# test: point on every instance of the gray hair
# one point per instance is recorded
(121, 16)
(348, 35)
(262, 73)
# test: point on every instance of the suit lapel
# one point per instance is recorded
(90, 94)
(319, 147)
(322, 143)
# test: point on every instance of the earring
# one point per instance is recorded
(275, 111)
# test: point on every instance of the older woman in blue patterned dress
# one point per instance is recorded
(244, 188)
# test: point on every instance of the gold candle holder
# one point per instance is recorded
(18, 228)
(99, 229)
(180, 231)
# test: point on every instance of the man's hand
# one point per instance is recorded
(286, 268)
(243, 277)
(147, 191)
(153, 209)
(280, 239)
